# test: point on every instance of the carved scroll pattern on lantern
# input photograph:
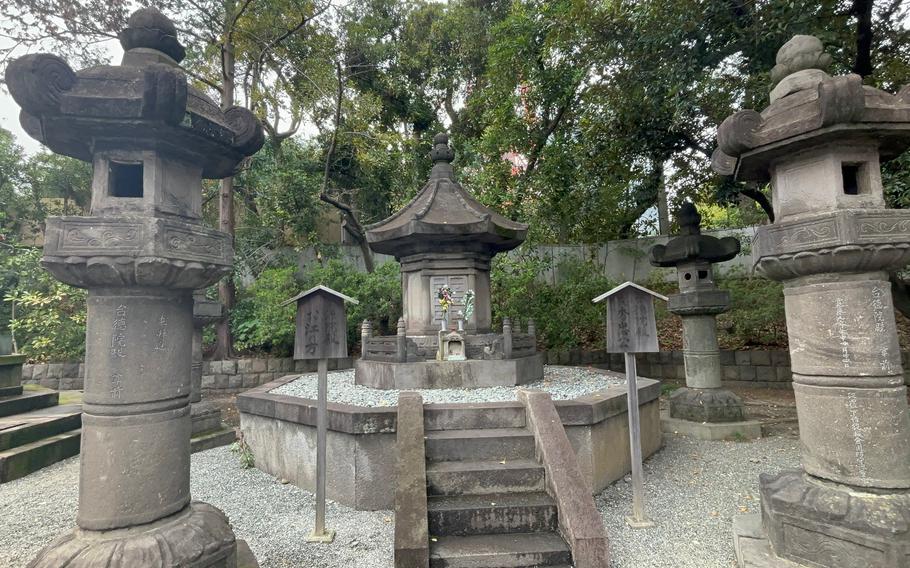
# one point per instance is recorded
(198, 245)
(83, 238)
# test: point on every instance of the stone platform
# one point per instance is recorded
(362, 456)
(744, 430)
(472, 373)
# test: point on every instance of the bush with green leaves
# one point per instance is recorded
(48, 317)
(261, 324)
(563, 312)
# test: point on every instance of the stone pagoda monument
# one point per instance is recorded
(445, 240)
(151, 138)
(702, 409)
(833, 242)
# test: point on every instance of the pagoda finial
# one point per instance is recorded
(441, 151)
(151, 29)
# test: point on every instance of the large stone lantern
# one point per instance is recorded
(151, 139)
(833, 242)
(702, 408)
(445, 238)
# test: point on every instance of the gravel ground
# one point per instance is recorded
(272, 517)
(692, 491)
(561, 382)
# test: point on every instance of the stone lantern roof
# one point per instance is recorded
(809, 108)
(444, 217)
(691, 245)
(143, 104)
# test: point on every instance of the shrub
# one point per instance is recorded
(563, 312)
(756, 316)
(49, 322)
(260, 323)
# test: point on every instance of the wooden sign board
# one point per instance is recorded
(631, 325)
(321, 324)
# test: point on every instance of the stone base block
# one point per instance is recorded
(199, 536)
(751, 544)
(745, 430)
(10, 391)
(472, 373)
(706, 405)
(206, 417)
(822, 524)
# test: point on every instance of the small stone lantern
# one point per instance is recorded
(151, 138)
(833, 241)
(702, 402)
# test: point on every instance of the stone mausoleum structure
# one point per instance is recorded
(151, 138)
(445, 238)
(832, 243)
(702, 408)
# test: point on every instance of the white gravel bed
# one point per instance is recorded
(561, 382)
(692, 491)
(274, 518)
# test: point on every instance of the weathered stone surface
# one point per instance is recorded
(448, 374)
(412, 538)
(151, 137)
(706, 405)
(197, 536)
(820, 142)
(824, 524)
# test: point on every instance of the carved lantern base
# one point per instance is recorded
(811, 522)
(198, 536)
(706, 405)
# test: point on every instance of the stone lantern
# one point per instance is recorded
(832, 243)
(702, 408)
(444, 237)
(151, 138)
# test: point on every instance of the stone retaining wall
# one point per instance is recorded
(740, 368)
(231, 375)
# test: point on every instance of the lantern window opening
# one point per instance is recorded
(688, 276)
(125, 179)
(702, 274)
(853, 177)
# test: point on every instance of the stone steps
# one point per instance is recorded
(484, 477)
(22, 460)
(473, 417)
(480, 444)
(28, 401)
(519, 550)
(487, 505)
(463, 515)
(21, 429)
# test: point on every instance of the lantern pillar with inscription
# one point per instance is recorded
(631, 329)
(702, 408)
(143, 250)
(832, 243)
(322, 334)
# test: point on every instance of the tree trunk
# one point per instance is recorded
(226, 292)
(663, 207)
(862, 65)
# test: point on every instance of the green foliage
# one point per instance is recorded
(756, 316)
(563, 312)
(378, 294)
(244, 452)
(259, 321)
(49, 322)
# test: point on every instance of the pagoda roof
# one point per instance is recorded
(443, 213)
(692, 246)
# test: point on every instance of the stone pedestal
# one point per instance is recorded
(11, 374)
(832, 244)
(208, 431)
(151, 138)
